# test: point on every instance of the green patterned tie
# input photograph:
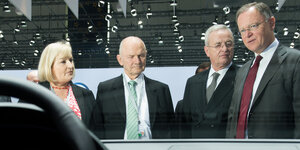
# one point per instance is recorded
(132, 114)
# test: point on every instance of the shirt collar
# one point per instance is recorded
(138, 80)
(269, 51)
(222, 71)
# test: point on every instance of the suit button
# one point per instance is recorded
(212, 126)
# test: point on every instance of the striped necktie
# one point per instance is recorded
(132, 112)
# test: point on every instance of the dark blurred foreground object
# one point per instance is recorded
(45, 123)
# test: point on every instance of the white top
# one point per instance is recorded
(142, 101)
(222, 73)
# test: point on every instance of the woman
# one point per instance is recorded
(56, 70)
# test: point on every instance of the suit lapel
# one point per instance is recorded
(201, 95)
(119, 97)
(152, 99)
(240, 81)
(223, 88)
(197, 95)
(79, 98)
(271, 69)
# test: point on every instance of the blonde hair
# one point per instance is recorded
(48, 57)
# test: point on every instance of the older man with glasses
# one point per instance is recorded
(266, 98)
(208, 94)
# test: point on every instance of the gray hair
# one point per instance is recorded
(215, 28)
(260, 6)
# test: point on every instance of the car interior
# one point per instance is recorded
(45, 122)
(174, 34)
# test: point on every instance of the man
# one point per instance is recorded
(153, 109)
(202, 67)
(33, 76)
(179, 106)
(266, 99)
(208, 94)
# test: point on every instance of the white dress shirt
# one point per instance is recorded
(222, 73)
(267, 55)
(143, 108)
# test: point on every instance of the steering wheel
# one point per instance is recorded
(72, 130)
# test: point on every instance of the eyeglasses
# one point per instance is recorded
(219, 45)
(251, 27)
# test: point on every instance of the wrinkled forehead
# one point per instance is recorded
(133, 46)
(136, 49)
(220, 36)
(250, 14)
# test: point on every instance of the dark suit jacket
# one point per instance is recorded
(85, 99)
(178, 119)
(179, 109)
(275, 112)
(110, 111)
(202, 119)
(5, 98)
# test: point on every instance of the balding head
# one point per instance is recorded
(132, 56)
(134, 40)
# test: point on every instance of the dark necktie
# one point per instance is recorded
(246, 97)
(211, 88)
